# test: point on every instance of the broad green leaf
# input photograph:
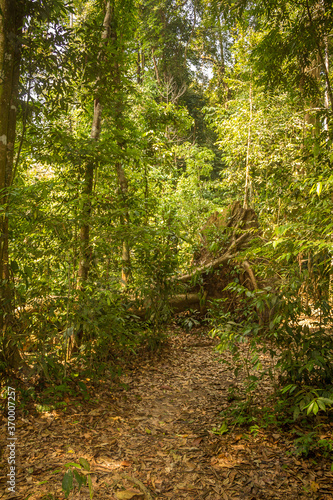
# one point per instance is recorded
(91, 492)
(296, 413)
(84, 463)
(73, 464)
(67, 483)
(321, 404)
(327, 401)
(80, 478)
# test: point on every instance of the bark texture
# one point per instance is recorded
(11, 20)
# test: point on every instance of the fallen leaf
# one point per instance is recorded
(94, 412)
(314, 486)
(125, 463)
(232, 476)
(100, 445)
(225, 460)
(128, 494)
(116, 477)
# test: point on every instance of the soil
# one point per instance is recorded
(156, 436)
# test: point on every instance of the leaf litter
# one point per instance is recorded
(157, 437)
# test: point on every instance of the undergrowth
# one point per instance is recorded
(268, 343)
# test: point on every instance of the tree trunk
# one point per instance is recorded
(310, 116)
(125, 257)
(247, 164)
(85, 250)
(321, 49)
(121, 176)
(326, 98)
(11, 20)
(156, 68)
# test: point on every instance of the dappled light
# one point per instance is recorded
(166, 251)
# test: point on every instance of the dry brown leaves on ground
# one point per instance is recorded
(153, 439)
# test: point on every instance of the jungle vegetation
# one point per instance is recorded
(124, 126)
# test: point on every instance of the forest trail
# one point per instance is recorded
(153, 439)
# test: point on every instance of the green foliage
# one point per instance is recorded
(189, 320)
(219, 431)
(309, 399)
(240, 337)
(192, 96)
(269, 322)
(276, 122)
(73, 477)
(309, 443)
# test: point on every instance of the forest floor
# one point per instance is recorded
(153, 438)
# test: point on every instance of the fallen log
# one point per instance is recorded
(219, 261)
(215, 271)
(235, 227)
(183, 301)
(211, 265)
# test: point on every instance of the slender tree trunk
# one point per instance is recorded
(310, 115)
(326, 98)
(89, 173)
(247, 162)
(125, 257)
(220, 36)
(321, 53)
(123, 185)
(85, 249)
(11, 19)
(122, 179)
(156, 68)
(191, 34)
(139, 69)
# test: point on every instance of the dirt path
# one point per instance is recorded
(153, 440)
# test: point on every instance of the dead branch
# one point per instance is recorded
(249, 271)
(219, 261)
